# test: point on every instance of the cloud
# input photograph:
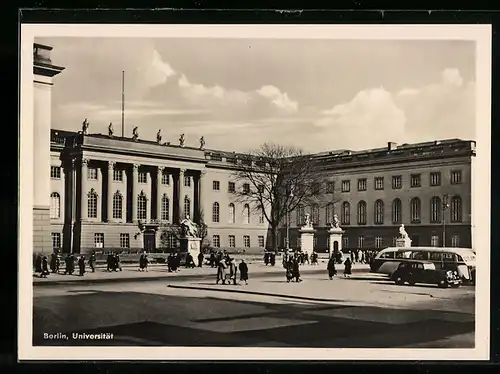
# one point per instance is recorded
(278, 98)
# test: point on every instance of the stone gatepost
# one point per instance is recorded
(307, 238)
(335, 240)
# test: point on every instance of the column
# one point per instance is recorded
(135, 191)
(159, 193)
(200, 197)
(111, 168)
(181, 194)
(83, 189)
(149, 196)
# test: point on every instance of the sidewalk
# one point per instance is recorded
(159, 272)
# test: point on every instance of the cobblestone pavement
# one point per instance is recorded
(365, 311)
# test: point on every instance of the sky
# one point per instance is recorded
(318, 95)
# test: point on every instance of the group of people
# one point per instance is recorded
(269, 258)
(231, 278)
(332, 271)
(42, 264)
(216, 257)
(113, 262)
(291, 263)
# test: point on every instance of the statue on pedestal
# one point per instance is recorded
(135, 133)
(307, 220)
(188, 228)
(111, 131)
(202, 142)
(335, 223)
(158, 136)
(85, 126)
(402, 232)
(182, 140)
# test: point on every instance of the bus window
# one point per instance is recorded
(420, 255)
(450, 257)
(435, 256)
(403, 254)
(387, 255)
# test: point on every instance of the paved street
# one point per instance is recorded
(363, 311)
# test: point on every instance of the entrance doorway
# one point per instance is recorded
(150, 241)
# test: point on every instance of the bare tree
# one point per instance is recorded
(275, 180)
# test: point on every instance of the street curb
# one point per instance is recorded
(174, 278)
(295, 297)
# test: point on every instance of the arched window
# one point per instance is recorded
(231, 213)
(187, 206)
(456, 209)
(315, 214)
(345, 215)
(92, 204)
(436, 209)
(329, 213)
(55, 205)
(215, 212)
(117, 205)
(396, 211)
(142, 206)
(300, 215)
(246, 214)
(415, 210)
(165, 207)
(362, 213)
(379, 212)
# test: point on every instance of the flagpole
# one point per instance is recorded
(123, 103)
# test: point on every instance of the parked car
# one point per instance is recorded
(412, 271)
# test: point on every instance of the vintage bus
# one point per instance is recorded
(463, 260)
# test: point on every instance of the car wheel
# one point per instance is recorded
(455, 285)
(411, 282)
(443, 284)
(399, 281)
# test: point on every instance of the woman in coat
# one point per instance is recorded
(221, 272)
(38, 264)
(232, 271)
(81, 265)
(348, 267)
(45, 267)
(331, 267)
(243, 267)
(92, 261)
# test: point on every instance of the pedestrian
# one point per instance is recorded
(352, 256)
(221, 272)
(45, 267)
(296, 270)
(356, 256)
(53, 262)
(81, 265)
(38, 265)
(200, 259)
(143, 262)
(272, 258)
(212, 259)
(243, 267)
(109, 262)
(70, 264)
(306, 257)
(289, 270)
(266, 258)
(233, 269)
(117, 263)
(92, 261)
(347, 267)
(331, 268)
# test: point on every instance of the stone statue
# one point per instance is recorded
(158, 136)
(111, 131)
(308, 220)
(335, 223)
(135, 133)
(85, 126)
(182, 140)
(402, 232)
(202, 142)
(188, 228)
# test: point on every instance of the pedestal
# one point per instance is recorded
(191, 245)
(403, 242)
(307, 239)
(335, 240)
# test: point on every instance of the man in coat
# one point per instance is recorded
(81, 265)
(221, 272)
(331, 267)
(232, 271)
(200, 259)
(243, 267)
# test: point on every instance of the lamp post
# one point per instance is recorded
(287, 244)
(445, 206)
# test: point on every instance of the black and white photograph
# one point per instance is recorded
(255, 192)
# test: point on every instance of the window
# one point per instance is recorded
(165, 178)
(449, 257)
(117, 175)
(419, 255)
(345, 215)
(261, 218)
(455, 241)
(362, 213)
(142, 177)
(345, 242)
(246, 241)
(300, 215)
(171, 240)
(125, 240)
(142, 206)
(99, 240)
(435, 178)
(329, 213)
(379, 212)
(436, 209)
(216, 241)
(231, 213)
(187, 181)
(56, 240)
(261, 241)
(215, 212)
(403, 254)
(55, 172)
(361, 241)
(55, 205)
(379, 183)
(389, 254)
(362, 184)
(315, 188)
(117, 205)
(315, 214)
(216, 185)
(231, 187)
(246, 188)
(92, 173)
(260, 188)
(165, 208)
(396, 211)
(346, 186)
(187, 206)
(456, 209)
(435, 256)
(415, 208)
(434, 241)
(379, 242)
(246, 214)
(92, 204)
(396, 182)
(330, 187)
(415, 180)
(456, 177)
(232, 241)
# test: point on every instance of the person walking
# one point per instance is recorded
(38, 265)
(200, 259)
(296, 270)
(221, 272)
(347, 267)
(331, 268)
(243, 267)
(81, 265)
(233, 269)
(92, 261)
(70, 264)
(45, 267)
(53, 262)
